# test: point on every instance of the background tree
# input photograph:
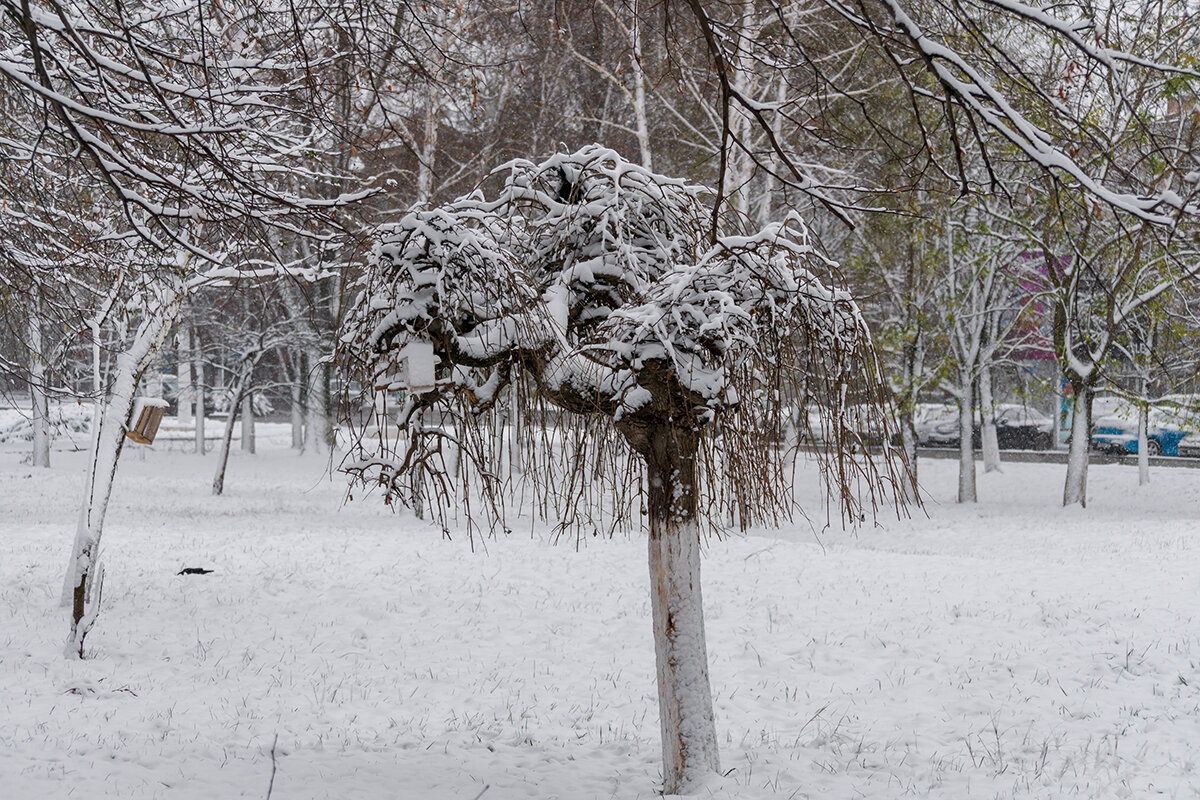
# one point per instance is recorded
(180, 129)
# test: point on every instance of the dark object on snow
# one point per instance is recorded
(566, 188)
(193, 571)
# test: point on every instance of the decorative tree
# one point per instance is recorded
(595, 286)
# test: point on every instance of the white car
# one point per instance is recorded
(936, 424)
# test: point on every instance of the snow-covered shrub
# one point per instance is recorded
(262, 404)
(65, 421)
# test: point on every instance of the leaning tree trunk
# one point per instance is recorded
(84, 579)
(241, 391)
(689, 737)
(1075, 487)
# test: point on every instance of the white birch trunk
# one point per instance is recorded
(1075, 486)
(183, 406)
(429, 145)
(198, 391)
(297, 393)
(909, 442)
(639, 90)
(1143, 442)
(689, 737)
(297, 417)
(966, 450)
(37, 388)
(686, 719)
(988, 438)
(80, 590)
(515, 465)
(740, 167)
(766, 203)
(317, 434)
(247, 416)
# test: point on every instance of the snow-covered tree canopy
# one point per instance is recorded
(1096, 95)
(178, 115)
(594, 280)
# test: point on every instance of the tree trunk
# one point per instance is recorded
(1075, 488)
(966, 445)
(689, 738)
(988, 438)
(297, 412)
(247, 416)
(1143, 442)
(183, 400)
(235, 403)
(37, 388)
(417, 473)
(910, 375)
(198, 390)
(84, 576)
(1056, 413)
(515, 465)
(642, 127)
(908, 438)
(317, 435)
(428, 154)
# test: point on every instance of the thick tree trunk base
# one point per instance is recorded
(966, 452)
(1075, 487)
(689, 734)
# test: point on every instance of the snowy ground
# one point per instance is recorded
(1008, 649)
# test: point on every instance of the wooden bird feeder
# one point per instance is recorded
(147, 415)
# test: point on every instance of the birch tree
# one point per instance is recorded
(975, 297)
(179, 125)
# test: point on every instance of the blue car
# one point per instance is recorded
(1118, 432)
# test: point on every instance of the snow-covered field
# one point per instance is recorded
(1008, 649)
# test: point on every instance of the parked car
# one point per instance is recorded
(863, 419)
(1018, 427)
(1167, 425)
(936, 424)
(1189, 446)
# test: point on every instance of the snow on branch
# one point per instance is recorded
(585, 285)
(744, 297)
